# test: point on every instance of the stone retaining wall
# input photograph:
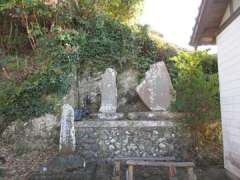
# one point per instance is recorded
(125, 138)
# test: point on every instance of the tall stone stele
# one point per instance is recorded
(156, 91)
(108, 88)
(67, 132)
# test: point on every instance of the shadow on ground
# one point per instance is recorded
(73, 167)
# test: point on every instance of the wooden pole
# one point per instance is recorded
(130, 172)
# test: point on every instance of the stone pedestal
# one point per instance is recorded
(161, 115)
(110, 116)
(107, 116)
(125, 138)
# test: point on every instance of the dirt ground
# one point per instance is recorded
(17, 166)
(214, 173)
(28, 165)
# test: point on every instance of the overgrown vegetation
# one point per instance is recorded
(197, 95)
(196, 84)
(41, 46)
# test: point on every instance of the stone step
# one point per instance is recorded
(107, 116)
(123, 123)
(137, 116)
(161, 115)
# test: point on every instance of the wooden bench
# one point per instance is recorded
(171, 165)
(119, 160)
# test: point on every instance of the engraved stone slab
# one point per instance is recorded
(108, 90)
(156, 89)
(67, 133)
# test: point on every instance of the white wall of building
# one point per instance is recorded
(229, 74)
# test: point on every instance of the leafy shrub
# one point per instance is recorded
(22, 23)
(197, 94)
(196, 84)
(122, 10)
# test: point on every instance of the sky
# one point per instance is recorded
(172, 18)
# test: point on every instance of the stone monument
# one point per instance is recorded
(108, 88)
(156, 91)
(67, 133)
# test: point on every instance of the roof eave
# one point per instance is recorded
(208, 21)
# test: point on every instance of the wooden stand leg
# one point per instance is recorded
(191, 174)
(117, 170)
(130, 172)
(172, 173)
